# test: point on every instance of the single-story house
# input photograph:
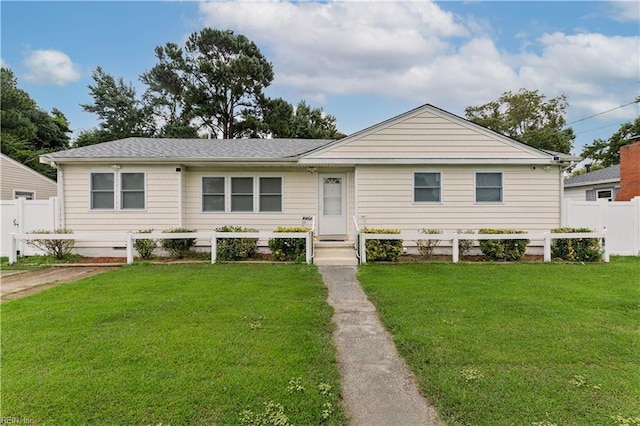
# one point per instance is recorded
(426, 168)
(592, 186)
(20, 181)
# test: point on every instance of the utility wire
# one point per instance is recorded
(600, 113)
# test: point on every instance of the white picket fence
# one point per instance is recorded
(621, 220)
(21, 216)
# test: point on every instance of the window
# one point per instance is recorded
(27, 195)
(271, 194)
(241, 194)
(132, 191)
(426, 187)
(605, 194)
(488, 187)
(102, 191)
(213, 194)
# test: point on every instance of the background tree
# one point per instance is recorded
(527, 117)
(280, 119)
(607, 152)
(120, 113)
(26, 130)
(215, 81)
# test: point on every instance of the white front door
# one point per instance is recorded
(332, 215)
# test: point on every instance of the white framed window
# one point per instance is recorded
(132, 191)
(242, 194)
(270, 194)
(102, 191)
(489, 187)
(213, 194)
(27, 195)
(605, 194)
(427, 187)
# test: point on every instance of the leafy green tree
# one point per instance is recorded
(607, 152)
(313, 123)
(213, 83)
(120, 113)
(528, 117)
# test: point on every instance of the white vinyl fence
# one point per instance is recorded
(21, 216)
(621, 219)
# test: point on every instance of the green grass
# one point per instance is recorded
(173, 344)
(36, 262)
(518, 344)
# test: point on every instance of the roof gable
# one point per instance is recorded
(28, 171)
(426, 132)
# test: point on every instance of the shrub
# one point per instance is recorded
(236, 248)
(289, 248)
(56, 248)
(145, 246)
(426, 247)
(465, 246)
(575, 249)
(383, 250)
(178, 247)
(501, 250)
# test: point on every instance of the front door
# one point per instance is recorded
(332, 215)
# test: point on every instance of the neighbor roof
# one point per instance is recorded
(158, 149)
(608, 174)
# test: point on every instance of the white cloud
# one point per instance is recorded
(417, 51)
(625, 11)
(50, 67)
(3, 64)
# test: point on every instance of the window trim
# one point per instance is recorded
(603, 190)
(24, 191)
(413, 184)
(114, 190)
(121, 191)
(475, 187)
(224, 194)
(256, 178)
(253, 194)
(281, 194)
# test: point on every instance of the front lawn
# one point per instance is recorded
(518, 344)
(173, 344)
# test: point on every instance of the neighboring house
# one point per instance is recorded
(19, 181)
(426, 168)
(593, 186)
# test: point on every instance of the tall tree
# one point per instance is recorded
(528, 117)
(215, 81)
(120, 113)
(607, 152)
(26, 130)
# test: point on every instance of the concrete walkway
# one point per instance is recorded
(378, 388)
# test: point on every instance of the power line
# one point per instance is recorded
(600, 113)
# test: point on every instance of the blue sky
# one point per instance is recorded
(363, 62)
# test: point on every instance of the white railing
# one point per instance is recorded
(455, 237)
(129, 238)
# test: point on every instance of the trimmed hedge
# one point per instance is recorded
(291, 249)
(383, 250)
(575, 249)
(178, 247)
(145, 246)
(503, 250)
(236, 248)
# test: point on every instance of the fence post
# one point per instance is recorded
(547, 247)
(605, 252)
(13, 253)
(214, 247)
(309, 246)
(363, 248)
(455, 255)
(129, 248)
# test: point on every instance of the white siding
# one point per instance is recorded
(18, 177)
(531, 199)
(427, 135)
(579, 193)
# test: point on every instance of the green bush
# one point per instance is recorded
(178, 247)
(465, 246)
(289, 248)
(501, 250)
(56, 248)
(575, 249)
(383, 250)
(236, 248)
(426, 247)
(145, 246)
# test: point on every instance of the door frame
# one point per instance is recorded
(343, 221)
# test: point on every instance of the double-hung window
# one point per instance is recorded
(270, 194)
(427, 187)
(102, 191)
(241, 194)
(213, 194)
(489, 187)
(132, 191)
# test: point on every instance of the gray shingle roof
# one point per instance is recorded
(606, 174)
(192, 149)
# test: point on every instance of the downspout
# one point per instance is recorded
(60, 192)
(355, 200)
(179, 171)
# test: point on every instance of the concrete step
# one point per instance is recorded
(336, 254)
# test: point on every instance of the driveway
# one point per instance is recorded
(16, 284)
